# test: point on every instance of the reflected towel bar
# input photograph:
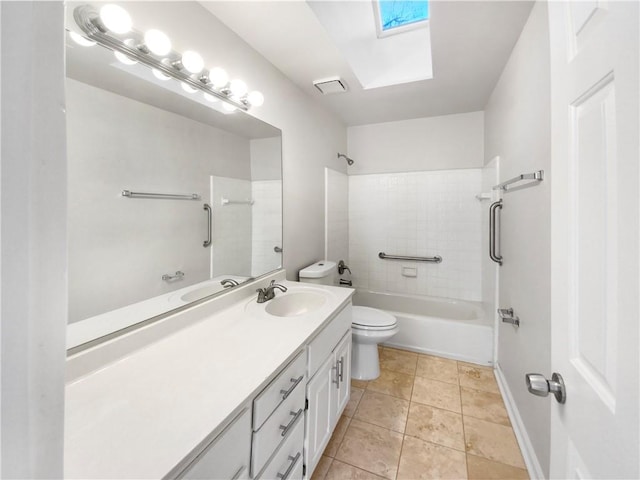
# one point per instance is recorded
(226, 201)
(537, 177)
(384, 256)
(173, 196)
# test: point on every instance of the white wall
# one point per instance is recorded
(517, 126)
(417, 214)
(337, 217)
(266, 226)
(434, 143)
(34, 257)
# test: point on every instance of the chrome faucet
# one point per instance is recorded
(342, 267)
(229, 282)
(267, 293)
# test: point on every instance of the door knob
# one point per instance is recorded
(539, 385)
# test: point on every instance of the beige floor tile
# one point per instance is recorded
(482, 469)
(354, 400)
(484, 405)
(383, 410)
(437, 394)
(392, 383)
(322, 468)
(437, 368)
(372, 448)
(424, 460)
(476, 377)
(398, 361)
(342, 471)
(362, 384)
(492, 441)
(338, 435)
(435, 425)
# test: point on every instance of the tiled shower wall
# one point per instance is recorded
(266, 224)
(417, 214)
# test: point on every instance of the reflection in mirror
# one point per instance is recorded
(218, 216)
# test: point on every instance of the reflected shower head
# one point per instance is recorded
(349, 161)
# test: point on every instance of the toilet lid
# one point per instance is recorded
(372, 317)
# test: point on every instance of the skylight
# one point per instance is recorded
(395, 16)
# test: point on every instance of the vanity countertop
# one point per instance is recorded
(141, 416)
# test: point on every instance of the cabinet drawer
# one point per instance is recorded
(277, 428)
(324, 343)
(286, 464)
(227, 457)
(278, 390)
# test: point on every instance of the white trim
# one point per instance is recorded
(530, 459)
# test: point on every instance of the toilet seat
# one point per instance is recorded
(366, 318)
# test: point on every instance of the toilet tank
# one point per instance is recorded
(323, 272)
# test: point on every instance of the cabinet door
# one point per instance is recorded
(320, 414)
(343, 361)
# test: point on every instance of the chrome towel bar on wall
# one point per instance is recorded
(493, 233)
(536, 178)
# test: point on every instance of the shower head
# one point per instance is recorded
(349, 161)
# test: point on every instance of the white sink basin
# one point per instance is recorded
(294, 304)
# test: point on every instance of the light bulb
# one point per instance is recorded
(210, 97)
(124, 59)
(115, 18)
(188, 88)
(238, 88)
(255, 98)
(228, 107)
(192, 61)
(80, 40)
(159, 75)
(157, 42)
(218, 77)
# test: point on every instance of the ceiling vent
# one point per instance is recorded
(331, 85)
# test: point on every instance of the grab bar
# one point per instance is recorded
(436, 259)
(172, 196)
(492, 232)
(207, 242)
(226, 201)
(537, 177)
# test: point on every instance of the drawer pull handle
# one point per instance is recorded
(294, 460)
(238, 473)
(295, 381)
(285, 428)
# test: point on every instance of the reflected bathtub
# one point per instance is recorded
(450, 328)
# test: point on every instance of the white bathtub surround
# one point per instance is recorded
(336, 213)
(266, 226)
(417, 214)
(438, 326)
(178, 390)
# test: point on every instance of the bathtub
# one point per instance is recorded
(438, 326)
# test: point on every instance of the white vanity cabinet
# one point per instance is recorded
(228, 455)
(329, 387)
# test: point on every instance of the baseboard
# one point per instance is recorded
(530, 457)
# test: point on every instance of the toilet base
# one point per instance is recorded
(365, 363)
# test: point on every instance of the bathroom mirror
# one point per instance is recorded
(134, 257)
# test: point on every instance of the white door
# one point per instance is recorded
(595, 250)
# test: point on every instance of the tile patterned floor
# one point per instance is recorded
(425, 417)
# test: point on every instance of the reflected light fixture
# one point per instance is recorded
(157, 42)
(154, 50)
(80, 40)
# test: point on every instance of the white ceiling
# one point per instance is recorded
(470, 40)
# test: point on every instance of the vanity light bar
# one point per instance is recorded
(132, 45)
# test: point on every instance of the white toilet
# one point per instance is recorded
(369, 326)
